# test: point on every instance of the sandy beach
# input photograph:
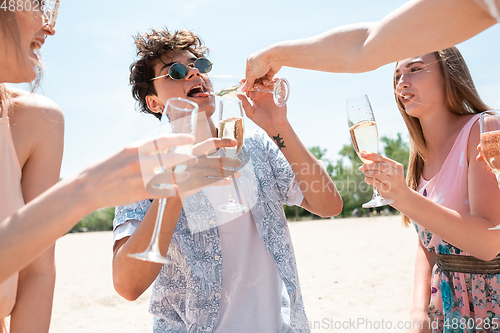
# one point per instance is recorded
(356, 275)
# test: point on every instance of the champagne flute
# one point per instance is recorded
(280, 90)
(232, 126)
(179, 116)
(489, 123)
(364, 136)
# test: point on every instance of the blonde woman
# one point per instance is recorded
(33, 211)
(449, 196)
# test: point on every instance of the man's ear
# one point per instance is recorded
(154, 104)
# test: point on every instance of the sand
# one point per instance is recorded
(356, 275)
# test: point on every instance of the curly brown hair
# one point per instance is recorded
(151, 46)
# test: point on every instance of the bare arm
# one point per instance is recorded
(39, 137)
(320, 194)
(424, 263)
(468, 232)
(366, 46)
(131, 277)
(37, 225)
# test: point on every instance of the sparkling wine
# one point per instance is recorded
(229, 92)
(364, 136)
(232, 128)
(490, 149)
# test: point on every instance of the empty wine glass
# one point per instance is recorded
(364, 136)
(179, 116)
(231, 126)
(280, 88)
(489, 123)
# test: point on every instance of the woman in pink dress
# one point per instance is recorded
(450, 197)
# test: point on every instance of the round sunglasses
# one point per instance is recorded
(179, 71)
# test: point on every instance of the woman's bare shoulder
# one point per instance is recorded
(33, 108)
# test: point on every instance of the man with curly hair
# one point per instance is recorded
(229, 272)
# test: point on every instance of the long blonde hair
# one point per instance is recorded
(461, 98)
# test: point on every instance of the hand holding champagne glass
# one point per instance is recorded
(490, 142)
(231, 126)
(364, 136)
(179, 116)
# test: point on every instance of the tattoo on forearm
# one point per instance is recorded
(279, 141)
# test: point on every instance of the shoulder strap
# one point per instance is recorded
(4, 111)
(468, 127)
(4, 105)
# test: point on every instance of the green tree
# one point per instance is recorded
(319, 154)
(396, 150)
(100, 220)
(350, 181)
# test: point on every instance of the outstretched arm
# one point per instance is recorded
(117, 180)
(418, 27)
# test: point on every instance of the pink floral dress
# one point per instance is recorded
(471, 302)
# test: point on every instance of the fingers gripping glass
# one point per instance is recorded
(178, 71)
(50, 8)
(490, 143)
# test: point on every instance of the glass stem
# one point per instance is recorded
(155, 245)
(231, 200)
(376, 194)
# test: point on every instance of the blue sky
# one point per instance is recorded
(87, 66)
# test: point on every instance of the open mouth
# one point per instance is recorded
(406, 97)
(36, 45)
(199, 90)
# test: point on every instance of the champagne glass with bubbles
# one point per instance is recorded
(489, 123)
(179, 116)
(364, 136)
(231, 126)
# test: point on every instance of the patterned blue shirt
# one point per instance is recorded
(186, 293)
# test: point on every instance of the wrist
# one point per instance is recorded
(281, 129)
(419, 311)
(275, 55)
(404, 198)
(280, 135)
(83, 193)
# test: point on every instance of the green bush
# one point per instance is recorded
(100, 220)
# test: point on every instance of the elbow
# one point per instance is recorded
(336, 204)
(125, 290)
(336, 207)
(331, 207)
